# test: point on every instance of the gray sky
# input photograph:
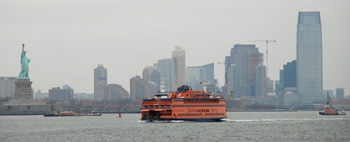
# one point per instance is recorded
(67, 39)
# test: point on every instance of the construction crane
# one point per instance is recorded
(267, 52)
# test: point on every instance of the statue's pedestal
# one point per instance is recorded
(23, 94)
(23, 89)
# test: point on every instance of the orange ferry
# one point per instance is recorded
(184, 104)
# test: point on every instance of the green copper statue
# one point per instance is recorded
(24, 64)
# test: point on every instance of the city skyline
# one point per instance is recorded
(74, 42)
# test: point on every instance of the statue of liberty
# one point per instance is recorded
(24, 64)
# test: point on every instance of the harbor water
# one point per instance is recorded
(239, 126)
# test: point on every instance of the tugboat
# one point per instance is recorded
(328, 110)
(184, 104)
(71, 113)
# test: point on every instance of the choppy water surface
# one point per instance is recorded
(240, 126)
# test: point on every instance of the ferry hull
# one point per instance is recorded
(218, 119)
(324, 113)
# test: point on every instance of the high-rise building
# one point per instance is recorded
(198, 75)
(165, 70)
(290, 74)
(100, 83)
(269, 85)
(232, 84)
(255, 59)
(260, 81)
(179, 67)
(152, 75)
(286, 86)
(339, 93)
(140, 88)
(7, 86)
(246, 57)
(65, 94)
(309, 59)
(227, 64)
(116, 92)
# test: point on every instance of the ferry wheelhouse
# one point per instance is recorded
(184, 104)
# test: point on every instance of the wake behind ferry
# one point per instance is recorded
(184, 104)
(71, 113)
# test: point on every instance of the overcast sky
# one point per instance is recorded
(67, 39)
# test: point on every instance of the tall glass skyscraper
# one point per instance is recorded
(309, 58)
